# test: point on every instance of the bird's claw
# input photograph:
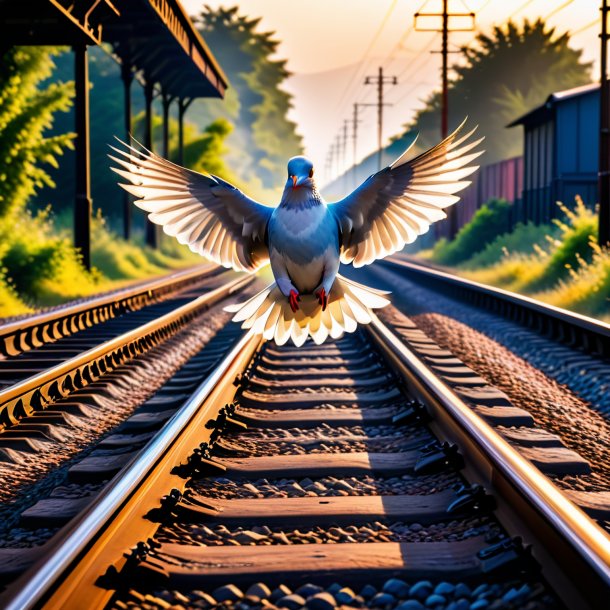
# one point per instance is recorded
(322, 298)
(294, 299)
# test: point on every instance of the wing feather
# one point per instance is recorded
(211, 216)
(399, 203)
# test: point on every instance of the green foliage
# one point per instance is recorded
(38, 264)
(26, 112)
(572, 247)
(524, 238)
(506, 74)
(489, 221)
(560, 264)
(264, 137)
(204, 153)
(40, 267)
(587, 286)
(106, 121)
(35, 256)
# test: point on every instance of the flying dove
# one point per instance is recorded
(304, 237)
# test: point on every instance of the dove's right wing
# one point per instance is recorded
(395, 205)
(213, 217)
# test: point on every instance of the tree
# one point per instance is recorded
(506, 73)
(27, 110)
(264, 138)
(203, 151)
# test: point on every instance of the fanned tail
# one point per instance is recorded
(269, 313)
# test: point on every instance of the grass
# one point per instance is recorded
(40, 268)
(560, 264)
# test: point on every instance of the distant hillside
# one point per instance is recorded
(347, 182)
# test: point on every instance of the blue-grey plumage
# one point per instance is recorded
(303, 238)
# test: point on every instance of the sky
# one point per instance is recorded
(332, 45)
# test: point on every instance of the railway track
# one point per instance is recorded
(39, 330)
(53, 355)
(348, 474)
(124, 373)
(579, 332)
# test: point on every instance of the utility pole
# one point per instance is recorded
(445, 69)
(338, 154)
(445, 29)
(604, 134)
(344, 150)
(331, 160)
(355, 122)
(380, 80)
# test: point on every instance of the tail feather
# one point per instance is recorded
(268, 313)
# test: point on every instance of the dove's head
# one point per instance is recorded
(300, 172)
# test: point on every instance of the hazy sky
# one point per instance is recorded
(331, 45)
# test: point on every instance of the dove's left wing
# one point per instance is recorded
(395, 205)
(213, 217)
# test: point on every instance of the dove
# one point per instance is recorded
(303, 238)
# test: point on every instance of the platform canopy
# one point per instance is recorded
(152, 36)
(153, 39)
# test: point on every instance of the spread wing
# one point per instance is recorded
(399, 203)
(213, 217)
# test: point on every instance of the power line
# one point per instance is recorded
(402, 39)
(524, 5)
(401, 75)
(356, 74)
(557, 9)
(585, 27)
(410, 90)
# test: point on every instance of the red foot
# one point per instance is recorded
(294, 299)
(322, 298)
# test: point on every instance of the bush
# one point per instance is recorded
(35, 255)
(564, 266)
(524, 238)
(573, 244)
(39, 266)
(488, 222)
(10, 303)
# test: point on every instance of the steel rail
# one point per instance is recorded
(40, 390)
(66, 578)
(46, 327)
(577, 330)
(579, 547)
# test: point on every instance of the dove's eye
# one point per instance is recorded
(311, 172)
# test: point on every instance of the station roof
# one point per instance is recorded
(155, 36)
(543, 113)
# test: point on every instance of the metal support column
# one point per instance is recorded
(151, 229)
(183, 104)
(82, 205)
(166, 100)
(127, 78)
